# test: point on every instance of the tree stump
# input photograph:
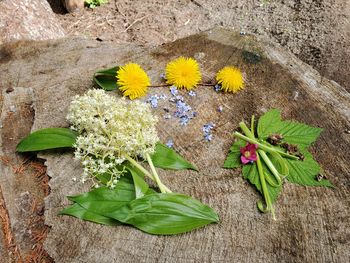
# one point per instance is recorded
(312, 223)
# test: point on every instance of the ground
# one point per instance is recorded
(316, 31)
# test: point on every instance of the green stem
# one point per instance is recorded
(252, 124)
(246, 130)
(145, 172)
(250, 137)
(272, 168)
(155, 174)
(263, 147)
(265, 191)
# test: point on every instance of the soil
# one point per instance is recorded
(316, 31)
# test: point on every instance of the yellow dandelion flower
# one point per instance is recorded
(230, 79)
(132, 81)
(183, 73)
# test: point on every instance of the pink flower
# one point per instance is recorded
(249, 153)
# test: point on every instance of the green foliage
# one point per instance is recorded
(94, 3)
(50, 138)
(250, 172)
(292, 132)
(166, 158)
(141, 187)
(152, 212)
(106, 78)
(276, 162)
(233, 159)
(166, 214)
(78, 211)
(305, 172)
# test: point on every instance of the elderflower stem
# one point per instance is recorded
(147, 173)
(264, 147)
(155, 174)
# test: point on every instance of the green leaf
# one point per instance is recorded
(305, 172)
(292, 132)
(166, 158)
(104, 200)
(78, 211)
(269, 123)
(233, 159)
(141, 187)
(106, 78)
(49, 138)
(250, 172)
(165, 214)
(298, 133)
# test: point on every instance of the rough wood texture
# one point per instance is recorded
(28, 19)
(313, 223)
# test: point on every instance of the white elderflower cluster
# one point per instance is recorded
(110, 129)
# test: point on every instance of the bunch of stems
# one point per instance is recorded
(263, 148)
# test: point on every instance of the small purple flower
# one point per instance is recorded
(153, 100)
(170, 143)
(217, 87)
(162, 76)
(163, 97)
(179, 98)
(220, 109)
(173, 90)
(192, 93)
(208, 137)
(184, 120)
(248, 153)
(208, 127)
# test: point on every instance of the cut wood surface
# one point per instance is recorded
(312, 223)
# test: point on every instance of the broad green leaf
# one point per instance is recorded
(269, 123)
(233, 159)
(78, 211)
(305, 172)
(106, 78)
(250, 172)
(49, 138)
(292, 132)
(166, 158)
(298, 133)
(165, 214)
(104, 200)
(141, 187)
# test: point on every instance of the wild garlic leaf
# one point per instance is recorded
(141, 187)
(80, 212)
(250, 172)
(165, 214)
(233, 159)
(46, 139)
(104, 200)
(298, 133)
(166, 158)
(305, 172)
(269, 123)
(106, 78)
